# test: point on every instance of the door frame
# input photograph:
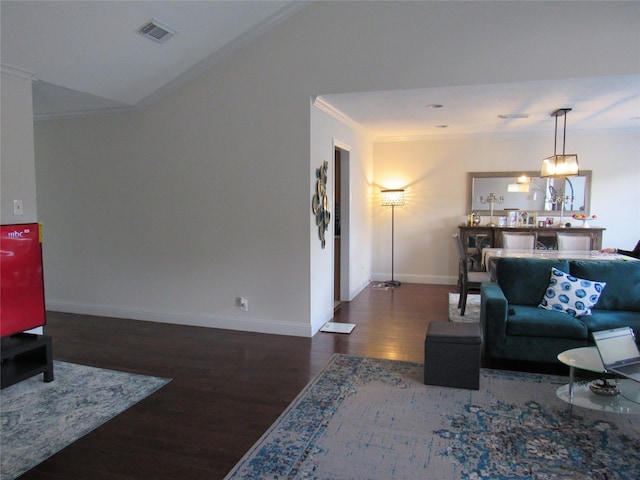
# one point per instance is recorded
(345, 209)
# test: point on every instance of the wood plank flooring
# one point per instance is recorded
(228, 387)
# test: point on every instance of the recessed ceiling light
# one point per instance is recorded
(507, 116)
(434, 105)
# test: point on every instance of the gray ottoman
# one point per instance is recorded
(452, 355)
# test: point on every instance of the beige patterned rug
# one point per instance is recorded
(472, 312)
(40, 419)
(365, 418)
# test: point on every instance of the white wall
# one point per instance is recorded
(434, 174)
(171, 213)
(17, 167)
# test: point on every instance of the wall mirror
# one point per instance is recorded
(532, 194)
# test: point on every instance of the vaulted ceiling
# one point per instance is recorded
(88, 55)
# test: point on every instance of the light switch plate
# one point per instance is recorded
(17, 207)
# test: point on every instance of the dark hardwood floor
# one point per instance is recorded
(227, 387)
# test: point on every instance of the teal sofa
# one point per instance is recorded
(515, 328)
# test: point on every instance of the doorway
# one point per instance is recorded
(341, 224)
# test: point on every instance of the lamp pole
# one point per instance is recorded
(393, 199)
(392, 282)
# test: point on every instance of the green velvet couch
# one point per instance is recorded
(515, 328)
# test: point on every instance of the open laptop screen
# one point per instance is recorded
(616, 346)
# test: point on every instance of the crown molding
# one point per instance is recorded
(16, 73)
(635, 130)
(332, 111)
(97, 112)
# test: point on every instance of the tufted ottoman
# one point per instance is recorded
(452, 354)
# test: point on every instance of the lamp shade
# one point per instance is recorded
(393, 198)
(560, 166)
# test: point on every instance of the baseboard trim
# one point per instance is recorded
(208, 321)
(423, 279)
(355, 292)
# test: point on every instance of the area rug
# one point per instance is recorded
(40, 419)
(372, 419)
(471, 312)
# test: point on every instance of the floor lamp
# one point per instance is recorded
(393, 199)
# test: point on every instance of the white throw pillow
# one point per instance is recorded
(570, 294)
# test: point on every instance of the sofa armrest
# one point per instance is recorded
(493, 317)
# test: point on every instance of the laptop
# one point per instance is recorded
(619, 352)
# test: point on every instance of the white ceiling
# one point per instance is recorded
(598, 104)
(87, 56)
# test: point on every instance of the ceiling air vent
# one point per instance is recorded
(156, 31)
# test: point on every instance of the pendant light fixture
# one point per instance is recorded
(563, 165)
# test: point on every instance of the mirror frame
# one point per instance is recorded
(471, 176)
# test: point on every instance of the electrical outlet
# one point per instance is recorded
(243, 303)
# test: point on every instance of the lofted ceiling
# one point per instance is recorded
(87, 57)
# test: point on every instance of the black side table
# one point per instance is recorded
(25, 355)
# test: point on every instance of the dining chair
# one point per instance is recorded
(476, 242)
(524, 240)
(467, 280)
(574, 241)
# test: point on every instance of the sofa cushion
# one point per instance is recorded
(525, 321)
(524, 280)
(608, 319)
(572, 295)
(622, 278)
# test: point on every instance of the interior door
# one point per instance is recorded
(337, 226)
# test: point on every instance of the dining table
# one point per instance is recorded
(490, 256)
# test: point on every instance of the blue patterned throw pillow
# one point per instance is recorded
(570, 294)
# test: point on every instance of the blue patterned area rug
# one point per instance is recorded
(374, 419)
(40, 419)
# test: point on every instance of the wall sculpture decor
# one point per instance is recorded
(319, 202)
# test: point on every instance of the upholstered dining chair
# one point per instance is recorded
(574, 241)
(524, 240)
(467, 280)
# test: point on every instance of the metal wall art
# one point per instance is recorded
(319, 202)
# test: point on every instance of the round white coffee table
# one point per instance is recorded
(579, 393)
